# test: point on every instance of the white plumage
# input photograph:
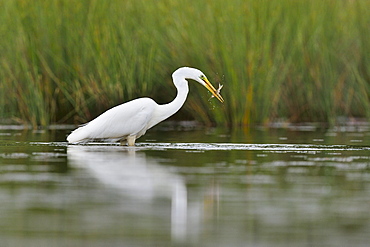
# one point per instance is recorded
(132, 119)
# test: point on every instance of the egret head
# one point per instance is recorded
(197, 75)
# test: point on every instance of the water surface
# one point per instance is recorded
(297, 186)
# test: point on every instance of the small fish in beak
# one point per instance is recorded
(218, 90)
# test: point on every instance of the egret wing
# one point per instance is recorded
(130, 118)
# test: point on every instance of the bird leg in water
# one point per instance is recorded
(218, 90)
(131, 140)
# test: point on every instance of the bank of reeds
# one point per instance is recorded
(69, 60)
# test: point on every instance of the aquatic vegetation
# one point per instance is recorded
(68, 61)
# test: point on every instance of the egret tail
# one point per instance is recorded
(77, 135)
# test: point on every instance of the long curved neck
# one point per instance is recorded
(163, 112)
(171, 108)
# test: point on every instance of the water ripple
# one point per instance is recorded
(220, 146)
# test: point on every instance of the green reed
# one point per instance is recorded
(68, 60)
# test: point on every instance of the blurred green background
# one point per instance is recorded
(66, 61)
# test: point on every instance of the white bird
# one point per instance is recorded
(132, 119)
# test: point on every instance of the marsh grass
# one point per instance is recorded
(68, 60)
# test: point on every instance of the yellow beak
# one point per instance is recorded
(211, 88)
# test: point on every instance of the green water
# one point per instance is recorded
(297, 186)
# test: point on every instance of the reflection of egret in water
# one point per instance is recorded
(138, 179)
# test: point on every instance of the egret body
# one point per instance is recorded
(132, 119)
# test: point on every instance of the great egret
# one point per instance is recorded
(132, 119)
